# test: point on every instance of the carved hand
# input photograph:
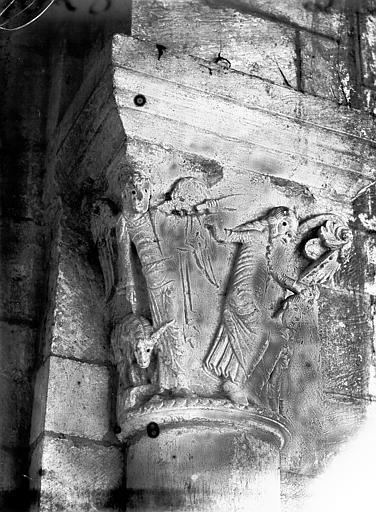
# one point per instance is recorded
(218, 232)
(300, 287)
(207, 206)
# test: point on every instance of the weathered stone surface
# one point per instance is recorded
(322, 72)
(104, 138)
(79, 316)
(347, 472)
(20, 181)
(256, 138)
(77, 476)
(358, 271)
(346, 335)
(88, 415)
(317, 440)
(22, 120)
(262, 191)
(14, 495)
(21, 256)
(9, 477)
(303, 13)
(202, 469)
(344, 418)
(295, 492)
(251, 44)
(16, 368)
(250, 91)
(39, 401)
(368, 52)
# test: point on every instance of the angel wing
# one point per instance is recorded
(321, 270)
(103, 226)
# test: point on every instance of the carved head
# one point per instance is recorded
(136, 193)
(143, 351)
(143, 339)
(283, 224)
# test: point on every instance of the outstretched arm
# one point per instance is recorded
(288, 282)
(236, 235)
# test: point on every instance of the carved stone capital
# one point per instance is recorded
(223, 336)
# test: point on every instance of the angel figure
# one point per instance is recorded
(133, 263)
(190, 198)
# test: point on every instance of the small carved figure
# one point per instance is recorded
(136, 345)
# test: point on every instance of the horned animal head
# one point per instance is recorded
(143, 339)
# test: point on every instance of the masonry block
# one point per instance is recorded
(78, 399)
(16, 369)
(324, 16)
(79, 328)
(76, 476)
(21, 255)
(322, 73)
(346, 334)
(368, 51)
(251, 44)
(14, 496)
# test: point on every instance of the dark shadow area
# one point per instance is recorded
(42, 67)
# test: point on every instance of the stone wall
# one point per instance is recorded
(24, 85)
(42, 67)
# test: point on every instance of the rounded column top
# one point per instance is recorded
(187, 412)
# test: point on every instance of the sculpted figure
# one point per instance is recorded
(190, 198)
(272, 296)
(135, 225)
(134, 266)
(258, 286)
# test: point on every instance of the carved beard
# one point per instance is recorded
(280, 254)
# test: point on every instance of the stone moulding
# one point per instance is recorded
(197, 411)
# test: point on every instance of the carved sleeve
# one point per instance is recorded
(240, 236)
(124, 255)
(287, 282)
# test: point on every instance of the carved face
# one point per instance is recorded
(143, 351)
(136, 195)
(283, 226)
